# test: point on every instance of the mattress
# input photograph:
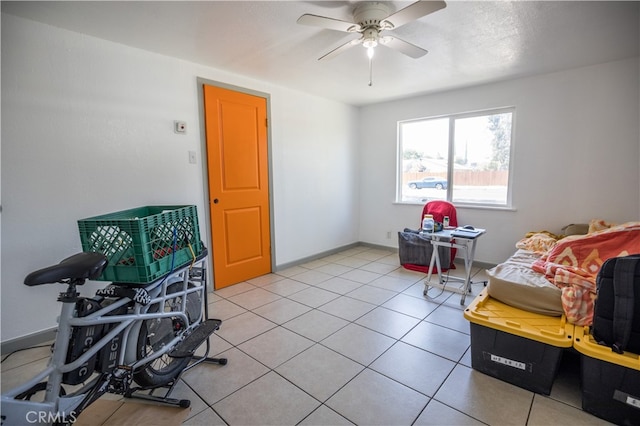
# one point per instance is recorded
(514, 283)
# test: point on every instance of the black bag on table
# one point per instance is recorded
(616, 319)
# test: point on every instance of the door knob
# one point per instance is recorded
(215, 201)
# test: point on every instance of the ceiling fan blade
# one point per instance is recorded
(328, 23)
(338, 50)
(414, 11)
(403, 46)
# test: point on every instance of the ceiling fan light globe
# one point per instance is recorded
(370, 43)
(370, 37)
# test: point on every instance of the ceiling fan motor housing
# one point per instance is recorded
(369, 15)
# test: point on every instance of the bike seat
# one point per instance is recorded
(79, 267)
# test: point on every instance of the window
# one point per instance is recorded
(462, 158)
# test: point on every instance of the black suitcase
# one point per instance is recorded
(616, 319)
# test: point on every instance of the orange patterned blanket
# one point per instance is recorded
(573, 264)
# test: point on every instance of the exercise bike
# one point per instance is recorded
(128, 339)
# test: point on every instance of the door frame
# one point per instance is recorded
(201, 82)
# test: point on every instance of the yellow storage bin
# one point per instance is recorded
(610, 381)
(516, 346)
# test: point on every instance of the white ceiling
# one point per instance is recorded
(469, 42)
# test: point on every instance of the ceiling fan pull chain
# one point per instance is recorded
(370, 71)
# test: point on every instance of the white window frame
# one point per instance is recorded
(451, 158)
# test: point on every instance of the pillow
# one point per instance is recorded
(576, 229)
(538, 243)
(599, 225)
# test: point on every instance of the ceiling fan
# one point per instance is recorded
(370, 20)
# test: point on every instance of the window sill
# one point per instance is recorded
(463, 206)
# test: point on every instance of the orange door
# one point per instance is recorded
(236, 134)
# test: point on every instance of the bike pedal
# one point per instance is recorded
(188, 346)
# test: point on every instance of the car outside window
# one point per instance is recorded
(462, 158)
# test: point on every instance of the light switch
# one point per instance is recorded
(192, 157)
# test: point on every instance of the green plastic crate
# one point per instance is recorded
(138, 242)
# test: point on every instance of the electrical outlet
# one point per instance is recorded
(388, 235)
(180, 127)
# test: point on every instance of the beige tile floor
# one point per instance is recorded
(350, 339)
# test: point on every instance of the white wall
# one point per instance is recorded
(576, 154)
(87, 128)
